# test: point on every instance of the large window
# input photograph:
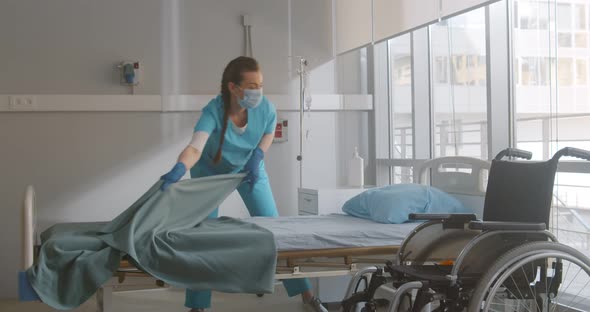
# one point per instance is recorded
(400, 61)
(551, 101)
(532, 91)
(549, 95)
(459, 98)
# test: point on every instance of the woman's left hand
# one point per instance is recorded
(252, 167)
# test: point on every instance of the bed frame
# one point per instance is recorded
(460, 176)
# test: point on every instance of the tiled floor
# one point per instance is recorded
(172, 300)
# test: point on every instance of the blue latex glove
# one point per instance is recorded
(253, 167)
(173, 176)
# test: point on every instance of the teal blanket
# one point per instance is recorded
(168, 235)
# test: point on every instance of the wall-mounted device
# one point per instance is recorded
(281, 131)
(129, 73)
(247, 22)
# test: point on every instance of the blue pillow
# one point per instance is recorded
(393, 203)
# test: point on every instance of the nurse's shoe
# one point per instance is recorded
(314, 304)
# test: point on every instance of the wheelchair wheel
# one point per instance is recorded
(538, 276)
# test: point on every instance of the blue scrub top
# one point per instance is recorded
(237, 148)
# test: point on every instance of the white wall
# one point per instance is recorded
(212, 34)
(391, 18)
(354, 24)
(90, 166)
(73, 47)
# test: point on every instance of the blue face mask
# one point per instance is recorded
(252, 98)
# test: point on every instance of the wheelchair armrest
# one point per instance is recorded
(453, 217)
(506, 226)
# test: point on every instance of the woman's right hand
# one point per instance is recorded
(173, 175)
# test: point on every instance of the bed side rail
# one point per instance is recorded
(25, 290)
(455, 174)
(28, 228)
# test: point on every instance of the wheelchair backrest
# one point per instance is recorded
(520, 191)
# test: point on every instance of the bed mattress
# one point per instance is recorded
(332, 231)
(304, 232)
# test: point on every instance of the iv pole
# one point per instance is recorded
(302, 73)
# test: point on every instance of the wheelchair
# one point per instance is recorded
(507, 262)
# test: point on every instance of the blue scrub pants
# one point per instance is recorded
(260, 203)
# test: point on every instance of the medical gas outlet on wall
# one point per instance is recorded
(130, 73)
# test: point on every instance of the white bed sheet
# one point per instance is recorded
(331, 231)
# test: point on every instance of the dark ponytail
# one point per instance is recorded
(232, 73)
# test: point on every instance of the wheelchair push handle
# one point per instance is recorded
(514, 152)
(573, 152)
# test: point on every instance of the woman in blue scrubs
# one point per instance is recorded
(234, 132)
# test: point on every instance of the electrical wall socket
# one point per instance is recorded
(22, 102)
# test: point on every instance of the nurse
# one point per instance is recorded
(234, 132)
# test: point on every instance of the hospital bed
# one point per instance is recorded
(308, 246)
